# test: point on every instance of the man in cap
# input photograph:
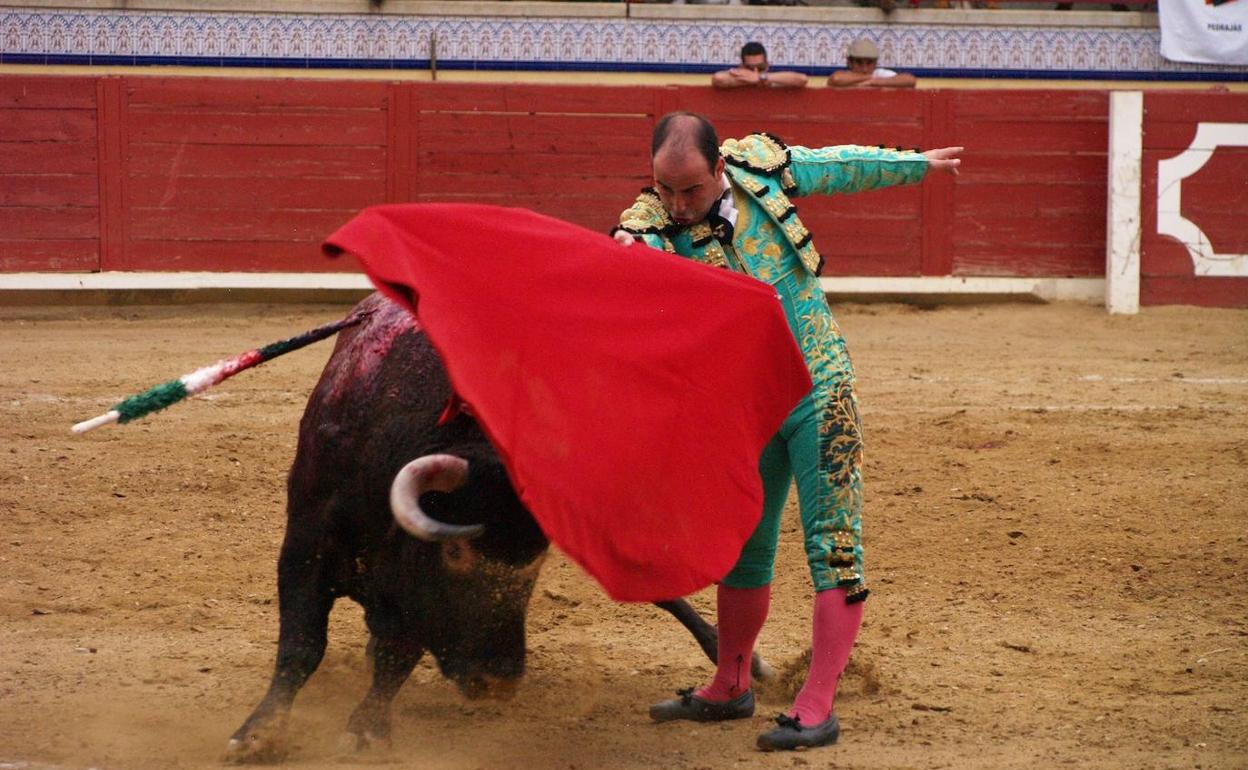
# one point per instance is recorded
(731, 206)
(863, 72)
(754, 72)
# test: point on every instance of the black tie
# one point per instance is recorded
(721, 228)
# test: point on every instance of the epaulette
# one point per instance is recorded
(647, 216)
(762, 153)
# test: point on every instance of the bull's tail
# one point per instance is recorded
(173, 391)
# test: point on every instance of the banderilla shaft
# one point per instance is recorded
(173, 391)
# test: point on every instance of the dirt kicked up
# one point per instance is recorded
(1056, 533)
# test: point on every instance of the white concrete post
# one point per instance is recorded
(1122, 232)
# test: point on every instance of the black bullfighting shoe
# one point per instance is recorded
(792, 734)
(690, 706)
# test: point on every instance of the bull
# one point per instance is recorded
(454, 580)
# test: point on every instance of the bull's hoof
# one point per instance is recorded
(253, 750)
(258, 745)
(364, 746)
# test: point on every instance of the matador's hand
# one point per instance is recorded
(624, 238)
(944, 159)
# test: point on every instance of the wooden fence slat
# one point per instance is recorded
(289, 128)
(262, 224)
(47, 125)
(1015, 105)
(1193, 107)
(43, 92)
(30, 223)
(1024, 137)
(520, 163)
(271, 193)
(147, 94)
(1030, 202)
(50, 190)
(235, 255)
(111, 138)
(1205, 291)
(48, 157)
(1028, 261)
(51, 255)
(534, 99)
(233, 161)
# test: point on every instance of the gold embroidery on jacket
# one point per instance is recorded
(646, 215)
(760, 152)
(715, 256)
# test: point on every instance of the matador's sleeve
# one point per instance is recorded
(851, 168)
(647, 220)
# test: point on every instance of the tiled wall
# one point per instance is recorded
(289, 40)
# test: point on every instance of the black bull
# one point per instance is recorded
(376, 408)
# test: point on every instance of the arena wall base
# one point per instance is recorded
(133, 288)
(144, 281)
(936, 289)
(107, 287)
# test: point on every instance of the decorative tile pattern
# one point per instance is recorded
(144, 37)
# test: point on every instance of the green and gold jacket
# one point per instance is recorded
(770, 240)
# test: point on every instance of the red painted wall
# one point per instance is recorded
(50, 196)
(245, 175)
(1214, 198)
(154, 173)
(215, 174)
(1032, 198)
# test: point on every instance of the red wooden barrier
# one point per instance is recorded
(1031, 200)
(176, 174)
(49, 174)
(248, 175)
(1213, 198)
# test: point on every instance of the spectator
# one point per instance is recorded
(862, 71)
(753, 72)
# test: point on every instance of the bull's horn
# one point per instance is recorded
(440, 473)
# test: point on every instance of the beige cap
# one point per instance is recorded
(863, 49)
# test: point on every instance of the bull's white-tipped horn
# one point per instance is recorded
(431, 473)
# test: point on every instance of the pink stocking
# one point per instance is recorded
(741, 612)
(835, 628)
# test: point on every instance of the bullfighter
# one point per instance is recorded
(731, 206)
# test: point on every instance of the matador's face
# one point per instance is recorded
(686, 185)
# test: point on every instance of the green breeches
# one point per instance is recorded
(820, 447)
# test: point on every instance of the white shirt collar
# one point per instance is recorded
(727, 207)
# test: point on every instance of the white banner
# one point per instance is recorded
(1204, 31)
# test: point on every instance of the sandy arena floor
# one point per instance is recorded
(1057, 542)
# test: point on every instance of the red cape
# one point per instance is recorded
(629, 392)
